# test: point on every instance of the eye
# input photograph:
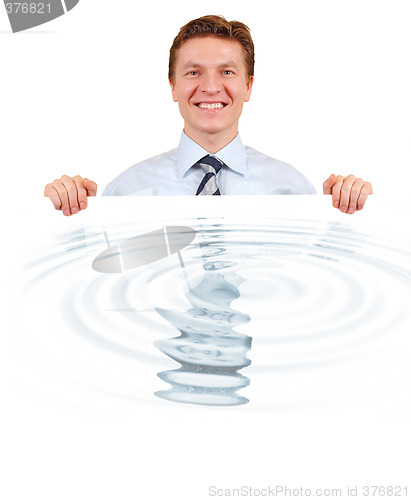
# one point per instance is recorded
(192, 73)
(228, 72)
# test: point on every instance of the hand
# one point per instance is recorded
(348, 193)
(69, 194)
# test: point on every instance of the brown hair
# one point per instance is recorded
(214, 26)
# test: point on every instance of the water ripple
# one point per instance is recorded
(293, 295)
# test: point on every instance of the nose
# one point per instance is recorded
(210, 83)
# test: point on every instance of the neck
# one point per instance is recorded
(212, 143)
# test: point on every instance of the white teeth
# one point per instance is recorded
(211, 105)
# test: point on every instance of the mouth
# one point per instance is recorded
(211, 105)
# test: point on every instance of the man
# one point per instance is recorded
(211, 75)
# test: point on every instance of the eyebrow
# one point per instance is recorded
(192, 64)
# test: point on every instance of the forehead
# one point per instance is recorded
(210, 51)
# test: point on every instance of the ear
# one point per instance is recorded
(173, 89)
(248, 89)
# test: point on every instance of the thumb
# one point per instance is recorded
(328, 184)
(90, 186)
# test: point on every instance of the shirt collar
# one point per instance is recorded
(189, 152)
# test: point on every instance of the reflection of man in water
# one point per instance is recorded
(211, 74)
(209, 349)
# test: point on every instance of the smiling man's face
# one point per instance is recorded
(210, 84)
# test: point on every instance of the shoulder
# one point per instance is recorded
(162, 160)
(139, 177)
(256, 157)
(282, 176)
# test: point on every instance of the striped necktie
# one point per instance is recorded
(211, 166)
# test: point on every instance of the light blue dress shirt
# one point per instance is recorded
(248, 172)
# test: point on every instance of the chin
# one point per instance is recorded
(212, 129)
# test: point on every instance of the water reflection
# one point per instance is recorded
(143, 249)
(319, 294)
(209, 350)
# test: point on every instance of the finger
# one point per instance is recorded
(63, 195)
(346, 192)
(328, 184)
(91, 187)
(365, 191)
(51, 192)
(354, 195)
(336, 191)
(71, 189)
(81, 192)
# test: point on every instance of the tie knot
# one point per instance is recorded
(210, 164)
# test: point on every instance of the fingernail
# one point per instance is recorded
(74, 210)
(343, 209)
(351, 211)
(82, 206)
(66, 212)
(336, 204)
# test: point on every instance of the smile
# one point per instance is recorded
(211, 105)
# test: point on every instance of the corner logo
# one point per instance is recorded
(25, 15)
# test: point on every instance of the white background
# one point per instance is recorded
(88, 94)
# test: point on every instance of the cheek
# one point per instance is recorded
(239, 93)
(187, 92)
(182, 91)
